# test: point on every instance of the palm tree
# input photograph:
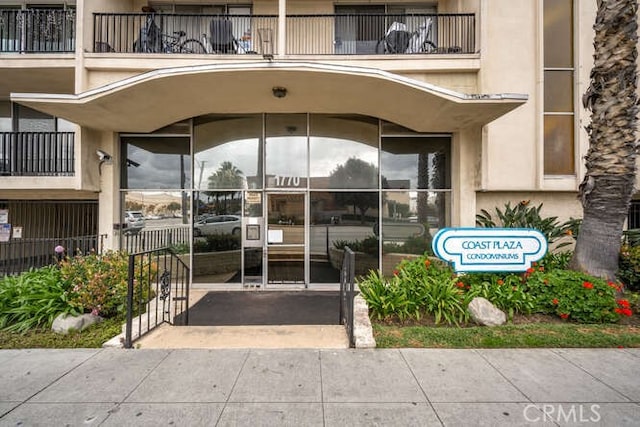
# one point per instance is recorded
(228, 176)
(611, 159)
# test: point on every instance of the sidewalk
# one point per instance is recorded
(243, 387)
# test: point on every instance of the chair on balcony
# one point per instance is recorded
(222, 40)
(395, 40)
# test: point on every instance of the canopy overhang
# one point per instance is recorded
(157, 98)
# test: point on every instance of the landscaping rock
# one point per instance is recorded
(485, 313)
(64, 323)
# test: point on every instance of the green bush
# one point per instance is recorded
(629, 267)
(418, 245)
(368, 245)
(573, 295)
(216, 243)
(525, 216)
(33, 299)
(505, 291)
(98, 283)
(418, 287)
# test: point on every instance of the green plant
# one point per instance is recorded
(98, 283)
(525, 216)
(217, 243)
(418, 245)
(505, 291)
(368, 245)
(418, 286)
(573, 295)
(33, 299)
(629, 267)
(180, 248)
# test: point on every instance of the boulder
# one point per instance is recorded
(63, 323)
(484, 313)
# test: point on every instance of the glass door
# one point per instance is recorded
(285, 239)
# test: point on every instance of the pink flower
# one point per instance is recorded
(59, 249)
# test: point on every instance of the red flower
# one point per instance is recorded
(500, 282)
(395, 272)
(460, 285)
(530, 270)
(427, 263)
(555, 301)
(623, 303)
(620, 346)
(564, 315)
(614, 286)
(540, 268)
(587, 285)
(624, 311)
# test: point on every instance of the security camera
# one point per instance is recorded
(102, 156)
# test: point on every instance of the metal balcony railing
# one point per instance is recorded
(37, 30)
(341, 34)
(37, 154)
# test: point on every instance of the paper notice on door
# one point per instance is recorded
(275, 236)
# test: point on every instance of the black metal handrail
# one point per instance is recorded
(20, 255)
(37, 30)
(348, 293)
(157, 280)
(37, 154)
(136, 240)
(333, 34)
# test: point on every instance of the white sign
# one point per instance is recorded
(4, 216)
(5, 232)
(17, 232)
(275, 236)
(489, 249)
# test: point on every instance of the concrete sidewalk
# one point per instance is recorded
(245, 387)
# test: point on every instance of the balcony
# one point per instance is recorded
(37, 154)
(37, 31)
(341, 34)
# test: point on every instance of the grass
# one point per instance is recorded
(536, 335)
(92, 337)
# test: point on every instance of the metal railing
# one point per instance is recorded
(37, 30)
(37, 154)
(348, 293)
(136, 240)
(336, 34)
(20, 255)
(157, 292)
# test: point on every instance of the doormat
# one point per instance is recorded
(238, 308)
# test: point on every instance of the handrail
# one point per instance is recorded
(157, 280)
(348, 293)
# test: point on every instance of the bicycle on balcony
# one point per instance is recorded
(399, 40)
(153, 40)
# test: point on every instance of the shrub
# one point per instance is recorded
(573, 295)
(217, 243)
(98, 283)
(505, 291)
(418, 245)
(525, 216)
(33, 299)
(629, 267)
(369, 245)
(418, 286)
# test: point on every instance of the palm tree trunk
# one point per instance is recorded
(611, 160)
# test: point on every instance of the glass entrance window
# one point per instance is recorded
(286, 151)
(286, 238)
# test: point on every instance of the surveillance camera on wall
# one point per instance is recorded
(102, 156)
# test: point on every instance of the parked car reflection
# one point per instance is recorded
(217, 224)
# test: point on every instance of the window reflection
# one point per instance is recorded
(340, 219)
(286, 151)
(343, 152)
(156, 163)
(228, 152)
(416, 162)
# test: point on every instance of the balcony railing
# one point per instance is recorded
(37, 30)
(37, 154)
(342, 34)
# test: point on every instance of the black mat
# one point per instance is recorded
(236, 308)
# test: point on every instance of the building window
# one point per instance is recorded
(559, 115)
